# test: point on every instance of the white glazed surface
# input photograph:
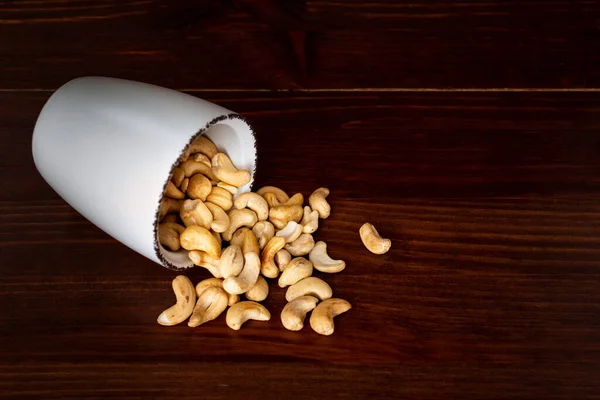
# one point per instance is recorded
(107, 146)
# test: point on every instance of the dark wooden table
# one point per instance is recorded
(468, 132)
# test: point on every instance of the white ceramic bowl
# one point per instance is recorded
(108, 147)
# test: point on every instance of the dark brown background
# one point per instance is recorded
(469, 132)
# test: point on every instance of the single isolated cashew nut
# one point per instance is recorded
(221, 197)
(214, 282)
(204, 260)
(317, 202)
(372, 241)
(220, 221)
(259, 291)
(294, 312)
(301, 246)
(298, 269)
(291, 231)
(244, 238)
(321, 319)
(186, 298)
(279, 194)
(322, 262)
(230, 188)
(243, 311)
(255, 202)
(310, 221)
(264, 231)
(247, 278)
(282, 259)
(196, 212)
(173, 192)
(239, 218)
(309, 286)
(225, 171)
(281, 215)
(168, 235)
(199, 238)
(231, 262)
(211, 303)
(199, 187)
(269, 268)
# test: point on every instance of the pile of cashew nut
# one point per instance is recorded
(243, 239)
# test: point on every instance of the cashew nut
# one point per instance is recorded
(199, 187)
(220, 221)
(294, 312)
(237, 219)
(301, 246)
(204, 260)
(192, 167)
(221, 197)
(298, 269)
(214, 282)
(322, 262)
(231, 261)
(186, 298)
(168, 235)
(199, 238)
(309, 286)
(273, 200)
(225, 171)
(321, 319)
(202, 145)
(259, 291)
(247, 278)
(310, 221)
(203, 158)
(168, 205)
(290, 232)
(279, 194)
(195, 212)
(185, 184)
(230, 188)
(269, 268)
(254, 202)
(317, 202)
(281, 215)
(178, 176)
(264, 231)
(211, 303)
(243, 311)
(372, 241)
(244, 238)
(173, 192)
(282, 259)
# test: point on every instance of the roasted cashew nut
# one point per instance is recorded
(237, 219)
(244, 238)
(309, 286)
(199, 238)
(204, 260)
(301, 246)
(290, 232)
(173, 192)
(186, 298)
(168, 235)
(220, 221)
(294, 312)
(372, 241)
(280, 195)
(192, 167)
(195, 212)
(199, 187)
(322, 262)
(231, 262)
(185, 184)
(168, 205)
(310, 220)
(247, 278)
(322, 316)
(243, 311)
(264, 231)
(221, 197)
(202, 145)
(282, 259)
(254, 202)
(273, 200)
(230, 188)
(281, 215)
(178, 176)
(317, 202)
(225, 171)
(269, 268)
(298, 269)
(211, 303)
(259, 291)
(214, 282)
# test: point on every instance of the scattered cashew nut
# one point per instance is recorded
(243, 311)
(298, 269)
(281, 215)
(372, 241)
(247, 277)
(282, 259)
(321, 319)
(168, 235)
(239, 218)
(210, 282)
(310, 220)
(264, 231)
(294, 312)
(301, 246)
(204, 260)
(317, 202)
(211, 303)
(291, 231)
(322, 262)
(279, 194)
(255, 202)
(268, 267)
(225, 171)
(231, 262)
(244, 238)
(182, 309)
(309, 286)
(259, 291)
(199, 238)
